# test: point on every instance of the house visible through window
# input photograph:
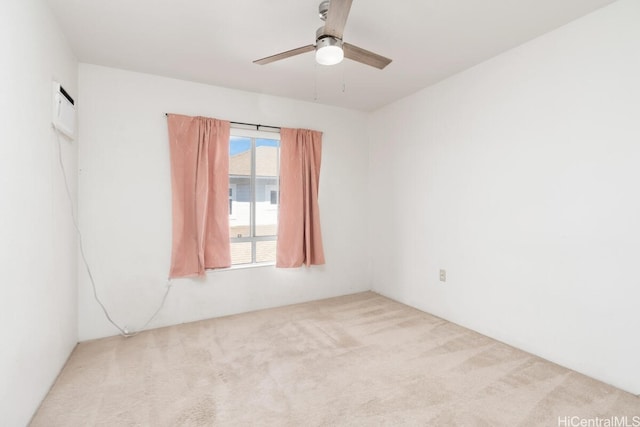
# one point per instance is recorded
(254, 168)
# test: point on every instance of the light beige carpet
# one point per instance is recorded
(355, 360)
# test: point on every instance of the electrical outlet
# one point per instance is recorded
(443, 275)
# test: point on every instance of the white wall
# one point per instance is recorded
(520, 178)
(38, 307)
(125, 202)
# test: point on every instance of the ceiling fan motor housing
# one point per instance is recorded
(324, 41)
(320, 34)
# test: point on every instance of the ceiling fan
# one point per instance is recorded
(329, 47)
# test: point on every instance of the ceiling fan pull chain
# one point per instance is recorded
(315, 83)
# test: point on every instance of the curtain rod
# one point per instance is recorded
(257, 126)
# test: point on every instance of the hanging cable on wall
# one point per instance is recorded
(123, 331)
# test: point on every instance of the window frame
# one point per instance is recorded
(254, 135)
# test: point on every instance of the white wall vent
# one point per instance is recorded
(64, 111)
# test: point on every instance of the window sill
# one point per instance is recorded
(246, 266)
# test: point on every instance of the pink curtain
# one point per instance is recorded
(199, 149)
(299, 236)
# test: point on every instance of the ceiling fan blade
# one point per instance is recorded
(283, 55)
(364, 56)
(337, 17)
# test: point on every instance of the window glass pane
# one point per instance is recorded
(254, 196)
(266, 251)
(241, 253)
(239, 187)
(267, 194)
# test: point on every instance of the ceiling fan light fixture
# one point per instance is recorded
(329, 51)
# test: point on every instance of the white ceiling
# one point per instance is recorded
(215, 41)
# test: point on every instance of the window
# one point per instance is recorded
(254, 168)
